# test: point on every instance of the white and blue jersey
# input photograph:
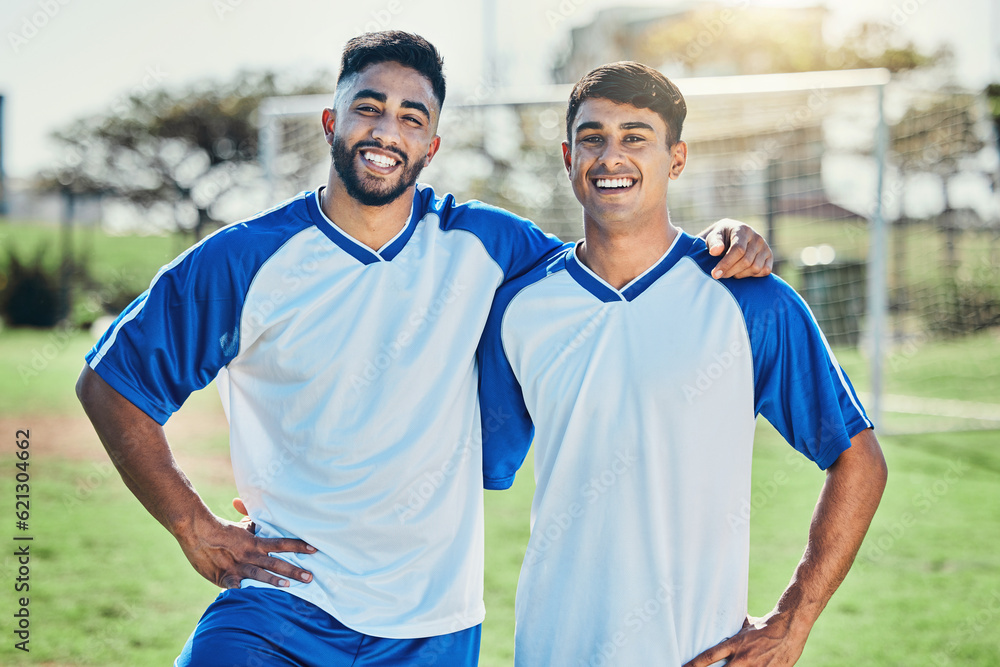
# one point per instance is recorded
(642, 403)
(349, 379)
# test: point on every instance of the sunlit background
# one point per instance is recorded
(860, 136)
(88, 54)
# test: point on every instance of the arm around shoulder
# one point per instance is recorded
(747, 254)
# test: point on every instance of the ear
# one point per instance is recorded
(678, 158)
(329, 123)
(567, 156)
(432, 150)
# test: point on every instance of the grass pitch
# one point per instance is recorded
(110, 587)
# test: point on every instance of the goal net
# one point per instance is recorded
(796, 156)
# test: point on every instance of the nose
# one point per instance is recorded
(386, 130)
(613, 154)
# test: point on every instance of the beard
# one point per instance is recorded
(369, 190)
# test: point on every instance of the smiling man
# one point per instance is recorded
(341, 327)
(637, 554)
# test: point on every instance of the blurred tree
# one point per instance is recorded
(711, 39)
(186, 150)
(940, 138)
(876, 45)
(937, 135)
(993, 98)
(29, 294)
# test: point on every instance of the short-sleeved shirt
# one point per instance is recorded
(349, 379)
(642, 402)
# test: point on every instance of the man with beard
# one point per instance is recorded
(341, 327)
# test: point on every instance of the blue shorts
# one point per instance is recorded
(265, 627)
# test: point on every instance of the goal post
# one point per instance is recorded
(830, 166)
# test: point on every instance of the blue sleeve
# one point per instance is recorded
(799, 386)
(515, 243)
(507, 426)
(174, 338)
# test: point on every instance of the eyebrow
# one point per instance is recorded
(373, 94)
(368, 93)
(636, 125)
(419, 106)
(631, 125)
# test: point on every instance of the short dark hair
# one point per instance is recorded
(398, 47)
(629, 82)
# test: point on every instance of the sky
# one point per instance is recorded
(64, 59)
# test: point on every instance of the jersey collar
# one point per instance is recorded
(352, 246)
(596, 285)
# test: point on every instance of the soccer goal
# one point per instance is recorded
(833, 167)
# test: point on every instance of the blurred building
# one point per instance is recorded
(701, 39)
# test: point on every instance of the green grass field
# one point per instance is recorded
(110, 587)
(128, 261)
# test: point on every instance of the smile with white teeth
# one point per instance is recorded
(615, 182)
(380, 160)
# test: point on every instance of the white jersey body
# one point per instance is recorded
(349, 379)
(643, 402)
